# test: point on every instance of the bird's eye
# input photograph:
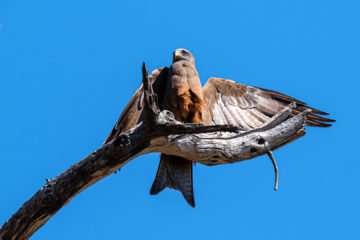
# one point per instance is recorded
(183, 52)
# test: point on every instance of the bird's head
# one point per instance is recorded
(183, 54)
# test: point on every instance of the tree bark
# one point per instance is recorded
(160, 132)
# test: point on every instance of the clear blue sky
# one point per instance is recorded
(68, 68)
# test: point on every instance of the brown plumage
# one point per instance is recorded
(220, 101)
(183, 97)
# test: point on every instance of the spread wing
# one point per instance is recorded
(132, 113)
(232, 103)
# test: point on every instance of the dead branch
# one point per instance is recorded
(160, 132)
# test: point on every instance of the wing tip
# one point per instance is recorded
(313, 123)
(301, 105)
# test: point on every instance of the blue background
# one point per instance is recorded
(68, 68)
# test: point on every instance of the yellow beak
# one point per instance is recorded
(177, 54)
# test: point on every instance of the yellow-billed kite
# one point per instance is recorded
(220, 101)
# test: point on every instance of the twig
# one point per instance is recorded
(150, 98)
(271, 155)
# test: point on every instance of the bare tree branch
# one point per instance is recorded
(160, 132)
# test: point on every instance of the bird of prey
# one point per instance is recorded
(220, 101)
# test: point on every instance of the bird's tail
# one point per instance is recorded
(176, 173)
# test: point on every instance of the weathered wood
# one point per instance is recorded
(272, 158)
(160, 132)
(230, 147)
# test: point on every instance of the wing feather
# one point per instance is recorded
(259, 116)
(132, 113)
(241, 116)
(226, 112)
(228, 102)
(218, 115)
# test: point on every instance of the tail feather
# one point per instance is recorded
(176, 173)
